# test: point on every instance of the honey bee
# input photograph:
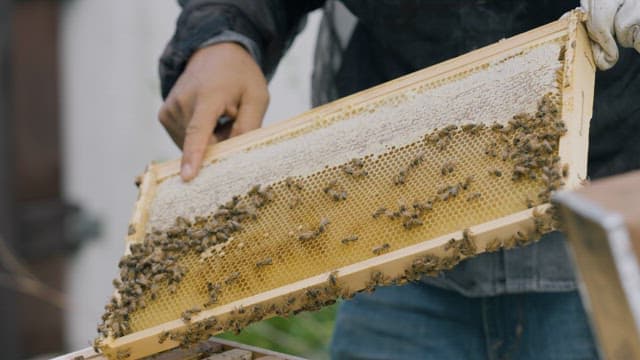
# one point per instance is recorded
(423, 206)
(507, 153)
(163, 337)
(448, 167)
(468, 127)
(221, 213)
(339, 195)
(182, 222)
(333, 279)
(431, 138)
(467, 182)
(266, 193)
(323, 225)
(518, 172)
(233, 277)
(290, 300)
(380, 249)
(450, 128)
(565, 170)
(349, 239)
(510, 243)
(187, 314)
(332, 183)
(451, 244)
(562, 53)
(467, 245)
(123, 354)
(474, 196)
(529, 202)
(307, 235)
(472, 129)
(255, 189)
(449, 262)
(401, 177)
(355, 168)
(491, 150)
(521, 238)
(493, 245)
(379, 211)
(418, 159)
(312, 293)
(411, 223)
(442, 144)
(546, 146)
(264, 262)
(293, 183)
(495, 172)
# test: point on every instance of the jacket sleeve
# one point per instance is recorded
(269, 24)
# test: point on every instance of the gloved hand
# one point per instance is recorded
(606, 17)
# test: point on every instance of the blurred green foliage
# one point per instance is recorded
(307, 334)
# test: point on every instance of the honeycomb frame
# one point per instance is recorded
(576, 103)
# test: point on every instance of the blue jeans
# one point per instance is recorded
(419, 321)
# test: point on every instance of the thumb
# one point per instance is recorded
(627, 25)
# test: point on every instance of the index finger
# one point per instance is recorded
(197, 136)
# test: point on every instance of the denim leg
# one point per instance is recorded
(415, 321)
(552, 325)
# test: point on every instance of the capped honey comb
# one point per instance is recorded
(402, 180)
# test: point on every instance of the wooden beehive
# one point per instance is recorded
(406, 178)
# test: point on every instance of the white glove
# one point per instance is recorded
(606, 17)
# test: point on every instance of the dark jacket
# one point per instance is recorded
(364, 43)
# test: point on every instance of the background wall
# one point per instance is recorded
(110, 100)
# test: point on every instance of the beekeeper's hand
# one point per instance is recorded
(609, 18)
(221, 79)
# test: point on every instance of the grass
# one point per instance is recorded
(307, 334)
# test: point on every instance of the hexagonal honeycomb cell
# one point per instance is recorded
(412, 160)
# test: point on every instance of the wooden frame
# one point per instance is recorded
(577, 106)
(180, 354)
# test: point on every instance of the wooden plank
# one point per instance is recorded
(619, 194)
(602, 224)
(235, 354)
(211, 345)
(577, 107)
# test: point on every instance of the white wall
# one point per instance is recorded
(110, 101)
